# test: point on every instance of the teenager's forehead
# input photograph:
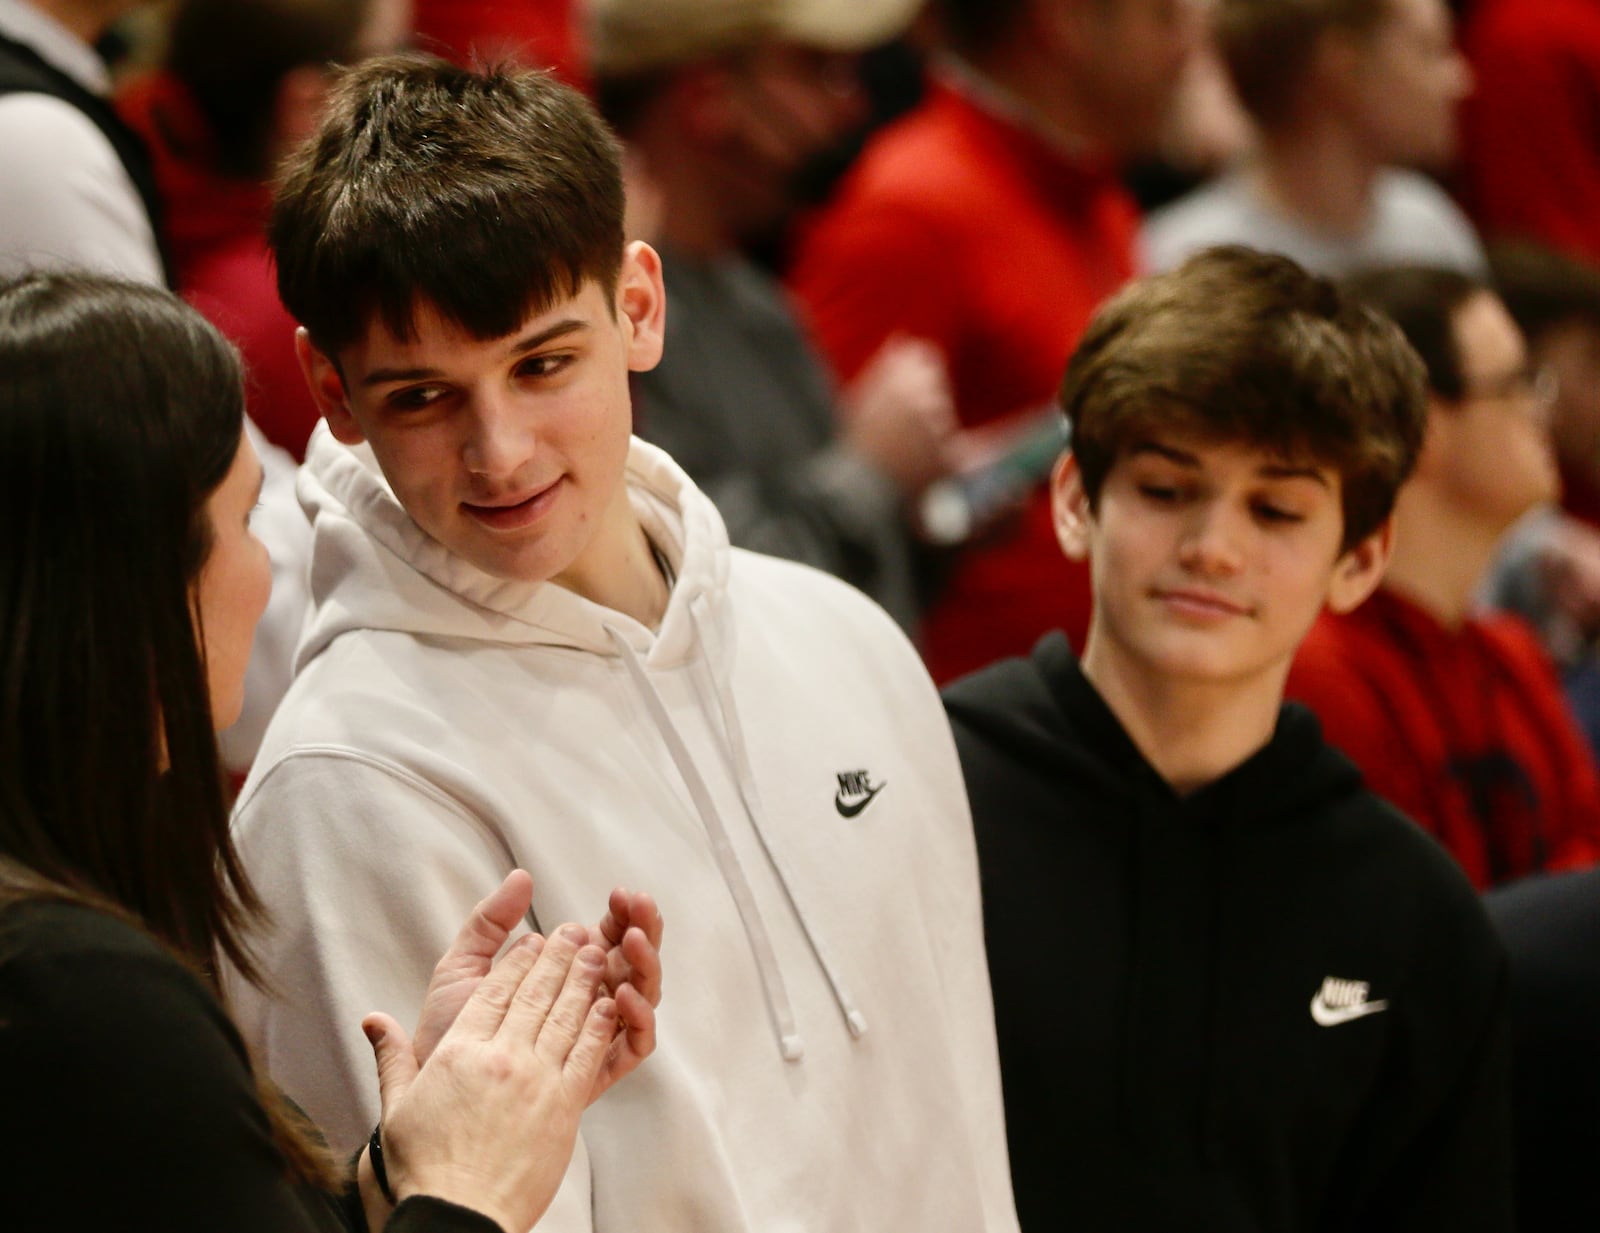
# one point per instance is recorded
(430, 327)
(1210, 451)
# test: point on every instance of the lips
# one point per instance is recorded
(513, 511)
(1201, 605)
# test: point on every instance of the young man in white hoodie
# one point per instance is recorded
(532, 645)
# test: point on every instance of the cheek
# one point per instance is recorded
(261, 579)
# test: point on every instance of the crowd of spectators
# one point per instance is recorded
(833, 361)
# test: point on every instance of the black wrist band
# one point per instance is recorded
(375, 1155)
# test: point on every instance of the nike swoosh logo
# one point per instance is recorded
(1333, 1016)
(849, 809)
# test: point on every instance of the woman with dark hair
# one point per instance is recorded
(130, 585)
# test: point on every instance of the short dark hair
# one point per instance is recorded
(1267, 45)
(1544, 289)
(490, 195)
(1423, 302)
(232, 56)
(1238, 345)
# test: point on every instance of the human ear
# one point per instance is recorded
(1069, 507)
(642, 305)
(327, 389)
(1357, 573)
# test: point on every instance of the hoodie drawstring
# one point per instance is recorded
(745, 777)
(778, 1005)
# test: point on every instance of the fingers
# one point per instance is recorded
(636, 1016)
(397, 1065)
(490, 923)
(646, 915)
(620, 909)
(643, 958)
(630, 911)
(587, 1061)
(486, 1009)
(554, 998)
(635, 1040)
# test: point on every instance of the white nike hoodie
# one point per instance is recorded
(773, 765)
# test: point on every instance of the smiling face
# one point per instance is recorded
(509, 451)
(1209, 562)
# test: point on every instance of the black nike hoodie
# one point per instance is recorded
(1274, 1004)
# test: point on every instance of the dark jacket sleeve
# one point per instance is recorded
(131, 1101)
(1450, 1119)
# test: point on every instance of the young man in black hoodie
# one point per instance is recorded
(1282, 1006)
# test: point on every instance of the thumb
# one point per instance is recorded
(397, 1063)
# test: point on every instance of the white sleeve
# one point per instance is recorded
(65, 197)
(367, 873)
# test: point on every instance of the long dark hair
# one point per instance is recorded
(120, 412)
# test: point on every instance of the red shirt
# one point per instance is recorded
(959, 226)
(1531, 127)
(216, 232)
(540, 33)
(1465, 730)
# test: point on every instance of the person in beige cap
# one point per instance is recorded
(723, 103)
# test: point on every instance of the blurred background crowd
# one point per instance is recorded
(884, 224)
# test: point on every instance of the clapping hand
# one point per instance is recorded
(629, 933)
(490, 1119)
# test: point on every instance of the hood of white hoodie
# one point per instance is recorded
(373, 567)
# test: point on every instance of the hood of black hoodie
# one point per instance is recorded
(1044, 713)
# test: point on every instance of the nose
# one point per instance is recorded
(498, 440)
(1213, 540)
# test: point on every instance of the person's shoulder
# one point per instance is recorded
(1416, 876)
(1009, 711)
(1340, 647)
(1416, 204)
(85, 978)
(801, 593)
(927, 164)
(52, 930)
(1515, 639)
(1004, 687)
(36, 123)
(1214, 213)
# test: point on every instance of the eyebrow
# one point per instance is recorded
(389, 376)
(1271, 470)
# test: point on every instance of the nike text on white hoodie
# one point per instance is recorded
(773, 765)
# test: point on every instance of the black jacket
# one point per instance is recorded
(130, 1102)
(1160, 965)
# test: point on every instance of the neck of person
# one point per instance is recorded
(618, 570)
(1033, 85)
(1192, 732)
(1440, 554)
(1317, 174)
